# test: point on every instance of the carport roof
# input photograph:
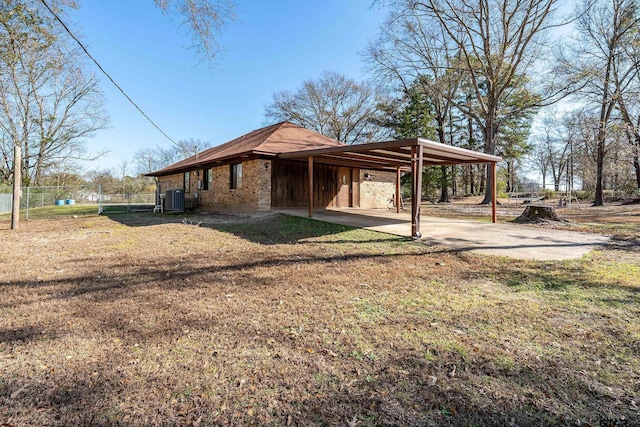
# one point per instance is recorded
(392, 154)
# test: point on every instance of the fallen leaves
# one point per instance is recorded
(212, 327)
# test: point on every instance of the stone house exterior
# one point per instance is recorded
(246, 174)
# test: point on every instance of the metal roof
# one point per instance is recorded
(267, 141)
(290, 141)
(392, 154)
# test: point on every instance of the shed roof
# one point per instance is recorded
(268, 141)
(290, 141)
(392, 154)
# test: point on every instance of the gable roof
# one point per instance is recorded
(281, 137)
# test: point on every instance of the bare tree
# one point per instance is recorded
(551, 151)
(47, 104)
(599, 58)
(333, 105)
(419, 58)
(495, 44)
(148, 160)
(204, 19)
(68, 110)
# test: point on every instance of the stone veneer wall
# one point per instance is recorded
(377, 191)
(253, 195)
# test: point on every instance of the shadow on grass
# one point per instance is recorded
(267, 229)
(171, 278)
(280, 229)
(22, 334)
(575, 274)
(404, 390)
(245, 362)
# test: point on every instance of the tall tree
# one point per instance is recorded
(28, 31)
(23, 34)
(334, 105)
(600, 60)
(419, 61)
(496, 45)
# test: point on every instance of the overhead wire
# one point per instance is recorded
(57, 18)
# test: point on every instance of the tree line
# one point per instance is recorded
(496, 77)
(493, 76)
(49, 102)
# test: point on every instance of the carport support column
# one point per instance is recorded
(310, 162)
(494, 194)
(398, 201)
(416, 189)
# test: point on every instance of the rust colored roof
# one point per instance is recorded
(282, 137)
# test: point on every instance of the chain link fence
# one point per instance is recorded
(109, 201)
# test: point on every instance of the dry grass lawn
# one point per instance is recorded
(139, 319)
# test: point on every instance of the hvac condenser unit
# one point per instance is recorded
(174, 200)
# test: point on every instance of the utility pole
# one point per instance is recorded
(17, 179)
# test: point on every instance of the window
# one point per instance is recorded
(208, 179)
(235, 180)
(187, 181)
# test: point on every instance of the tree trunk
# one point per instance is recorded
(636, 166)
(454, 183)
(482, 179)
(605, 111)
(491, 132)
(444, 188)
(538, 214)
(599, 200)
(472, 178)
(17, 180)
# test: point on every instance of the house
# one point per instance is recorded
(247, 174)
(287, 166)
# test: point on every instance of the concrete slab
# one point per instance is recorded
(509, 240)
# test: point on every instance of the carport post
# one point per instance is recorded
(398, 189)
(310, 161)
(416, 189)
(494, 194)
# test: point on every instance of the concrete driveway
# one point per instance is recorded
(502, 239)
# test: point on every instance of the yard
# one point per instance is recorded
(141, 319)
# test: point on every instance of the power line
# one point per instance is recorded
(55, 15)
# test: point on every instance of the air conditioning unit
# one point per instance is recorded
(174, 200)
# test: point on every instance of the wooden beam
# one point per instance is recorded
(494, 194)
(416, 190)
(310, 162)
(420, 166)
(398, 190)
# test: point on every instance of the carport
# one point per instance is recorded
(406, 155)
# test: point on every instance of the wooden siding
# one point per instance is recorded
(290, 184)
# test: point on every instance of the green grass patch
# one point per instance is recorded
(285, 229)
(49, 212)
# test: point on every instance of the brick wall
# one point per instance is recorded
(377, 189)
(253, 194)
(171, 182)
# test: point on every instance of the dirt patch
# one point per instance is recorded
(273, 320)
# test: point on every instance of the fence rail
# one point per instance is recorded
(39, 197)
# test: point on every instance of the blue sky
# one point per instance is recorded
(274, 45)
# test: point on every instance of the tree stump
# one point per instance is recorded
(538, 214)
